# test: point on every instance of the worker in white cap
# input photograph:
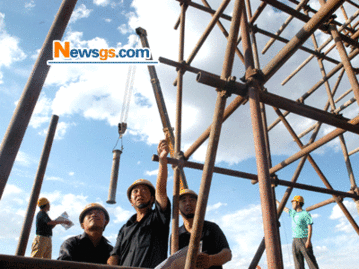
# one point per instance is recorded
(91, 246)
(42, 245)
(143, 240)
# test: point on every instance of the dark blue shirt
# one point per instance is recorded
(144, 243)
(213, 239)
(81, 249)
(42, 228)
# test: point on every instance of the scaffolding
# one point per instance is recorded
(341, 36)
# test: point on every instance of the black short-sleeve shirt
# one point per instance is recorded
(41, 224)
(81, 249)
(144, 243)
(213, 239)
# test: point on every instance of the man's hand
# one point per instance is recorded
(203, 260)
(113, 260)
(162, 149)
(308, 244)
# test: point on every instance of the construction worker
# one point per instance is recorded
(143, 240)
(215, 249)
(91, 246)
(42, 245)
(302, 234)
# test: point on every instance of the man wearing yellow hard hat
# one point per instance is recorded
(91, 246)
(143, 240)
(42, 245)
(215, 249)
(302, 234)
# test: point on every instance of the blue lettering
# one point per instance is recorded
(142, 52)
(121, 53)
(84, 52)
(95, 53)
(131, 53)
(73, 53)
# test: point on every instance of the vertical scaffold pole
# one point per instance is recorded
(30, 212)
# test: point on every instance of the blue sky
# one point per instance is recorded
(88, 100)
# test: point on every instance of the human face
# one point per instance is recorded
(141, 196)
(295, 204)
(94, 219)
(187, 206)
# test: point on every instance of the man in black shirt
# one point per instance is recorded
(215, 249)
(143, 240)
(42, 245)
(91, 246)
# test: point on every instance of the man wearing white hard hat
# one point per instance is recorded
(302, 234)
(91, 246)
(143, 240)
(42, 245)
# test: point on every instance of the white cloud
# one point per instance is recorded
(10, 50)
(80, 13)
(124, 29)
(54, 178)
(24, 159)
(30, 4)
(151, 173)
(121, 214)
(215, 206)
(102, 3)
(71, 173)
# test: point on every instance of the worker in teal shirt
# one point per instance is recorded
(302, 234)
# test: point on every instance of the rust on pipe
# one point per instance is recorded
(21, 117)
(178, 128)
(284, 25)
(18, 262)
(225, 33)
(346, 61)
(114, 176)
(314, 23)
(213, 140)
(206, 33)
(157, 90)
(274, 259)
(313, 52)
(324, 203)
(36, 188)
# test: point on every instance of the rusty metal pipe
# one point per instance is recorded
(313, 24)
(36, 188)
(318, 84)
(114, 176)
(213, 140)
(18, 262)
(21, 117)
(323, 203)
(346, 61)
(206, 33)
(284, 25)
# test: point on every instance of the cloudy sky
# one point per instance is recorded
(88, 100)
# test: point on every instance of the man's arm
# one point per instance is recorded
(308, 244)
(205, 261)
(161, 185)
(285, 209)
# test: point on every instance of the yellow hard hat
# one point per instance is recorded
(42, 201)
(90, 207)
(187, 191)
(140, 181)
(298, 198)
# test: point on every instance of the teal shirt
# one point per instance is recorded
(300, 222)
